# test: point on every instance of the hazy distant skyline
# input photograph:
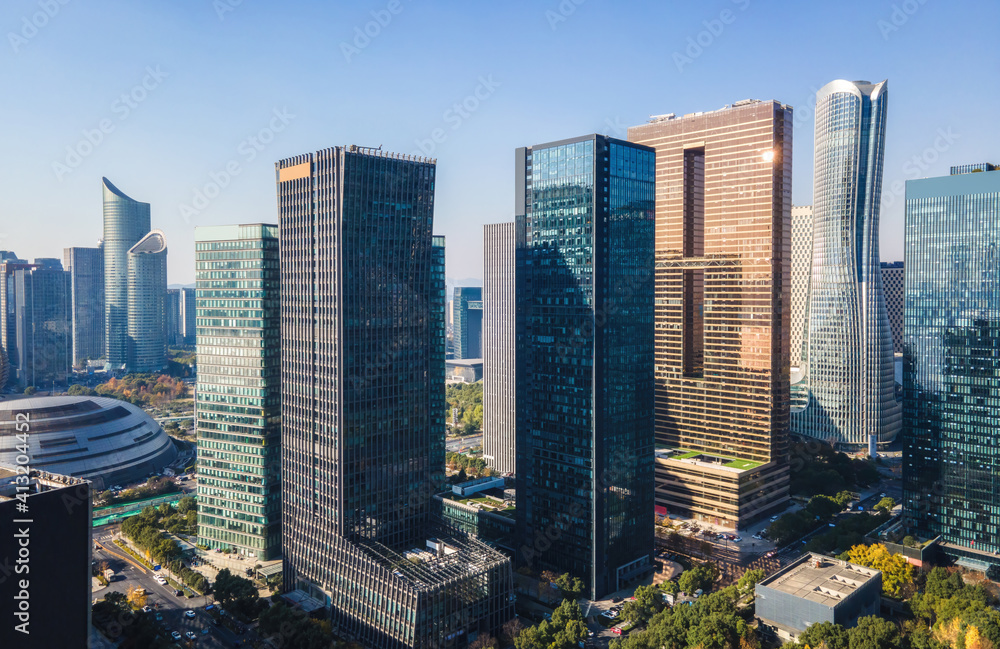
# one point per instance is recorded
(168, 99)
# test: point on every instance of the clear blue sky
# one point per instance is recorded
(551, 70)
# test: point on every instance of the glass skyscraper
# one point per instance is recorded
(723, 310)
(238, 415)
(125, 222)
(849, 371)
(362, 429)
(951, 363)
(467, 332)
(86, 268)
(43, 325)
(584, 361)
(147, 304)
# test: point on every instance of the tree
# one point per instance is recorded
(748, 582)
(886, 505)
(30, 390)
(833, 636)
(697, 578)
(647, 603)
(571, 587)
(485, 641)
(565, 630)
(236, 593)
(823, 506)
(186, 504)
(136, 597)
(897, 573)
(873, 632)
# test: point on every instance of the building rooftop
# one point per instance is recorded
(820, 579)
(706, 459)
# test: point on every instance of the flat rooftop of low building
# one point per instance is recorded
(820, 579)
(464, 362)
(445, 557)
(706, 459)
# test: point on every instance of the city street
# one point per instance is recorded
(463, 444)
(160, 598)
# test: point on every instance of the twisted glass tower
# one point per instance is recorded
(125, 222)
(850, 359)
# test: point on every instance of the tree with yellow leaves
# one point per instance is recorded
(897, 573)
(136, 597)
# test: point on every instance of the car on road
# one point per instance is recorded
(175, 635)
(147, 609)
(209, 607)
(179, 593)
(774, 518)
(737, 539)
(190, 635)
(189, 614)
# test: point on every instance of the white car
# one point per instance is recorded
(175, 635)
(189, 614)
(190, 635)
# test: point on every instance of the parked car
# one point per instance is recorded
(189, 614)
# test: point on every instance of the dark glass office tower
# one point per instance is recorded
(362, 429)
(467, 331)
(44, 342)
(584, 361)
(187, 315)
(951, 363)
(86, 268)
(239, 389)
(723, 309)
(125, 222)
(8, 310)
(173, 315)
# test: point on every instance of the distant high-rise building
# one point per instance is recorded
(51, 515)
(174, 335)
(126, 221)
(723, 310)
(850, 374)
(187, 316)
(499, 415)
(362, 421)
(8, 310)
(584, 358)
(951, 361)
(86, 268)
(7, 256)
(893, 288)
(43, 325)
(467, 314)
(802, 245)
(147, 296)
(239, 432)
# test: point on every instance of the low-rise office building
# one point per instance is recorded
(815, 589)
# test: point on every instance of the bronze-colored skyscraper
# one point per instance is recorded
(723, 304)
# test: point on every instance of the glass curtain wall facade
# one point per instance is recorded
(584, 375)
(850, 374)
(467, 316)
(126, 221)
(86, 268)
(723, 298)
(951, 364)
(238, 421)
(186, 316)
(8, 312)
(499, 420)
(43, 326)
(147, 304)
(362, 431)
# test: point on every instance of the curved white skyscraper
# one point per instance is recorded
(147, 296)
(850, 359)
(125, 222)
